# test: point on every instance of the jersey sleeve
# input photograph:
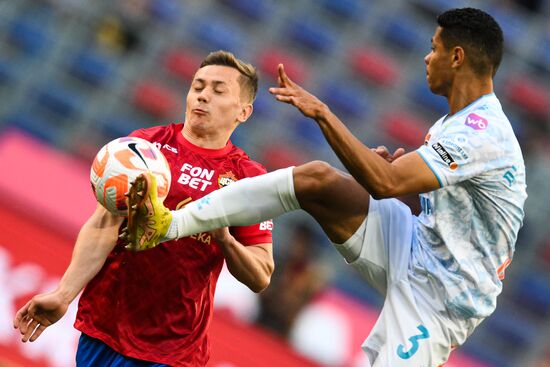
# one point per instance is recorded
(146, 133)
(256, 233)
(464, 149)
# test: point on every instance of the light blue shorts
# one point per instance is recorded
(414, 327)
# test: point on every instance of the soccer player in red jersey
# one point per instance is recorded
(154, 308)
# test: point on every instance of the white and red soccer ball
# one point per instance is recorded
(117, 165)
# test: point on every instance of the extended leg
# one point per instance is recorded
(332, 197)
(336, 201)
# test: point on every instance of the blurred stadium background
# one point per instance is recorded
(75, 74)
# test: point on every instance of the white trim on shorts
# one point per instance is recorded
(386, 229)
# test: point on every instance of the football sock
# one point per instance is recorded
(245, 202)
(351, 249)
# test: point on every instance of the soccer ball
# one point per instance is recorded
(117, 165)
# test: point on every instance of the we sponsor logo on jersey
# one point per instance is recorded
(197, 178)
(476, 122)
(440, 150)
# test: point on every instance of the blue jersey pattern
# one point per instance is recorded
(466, 233)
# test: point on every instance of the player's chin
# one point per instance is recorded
(197, 121)
(435, 89)
(196, 118)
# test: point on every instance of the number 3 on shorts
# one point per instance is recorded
(424, 334)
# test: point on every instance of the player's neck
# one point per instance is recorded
(205, 140)
(466, 91)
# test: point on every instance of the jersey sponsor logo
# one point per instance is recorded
(267, 225)
(226, 179)
(440, 150)
(195, 177)
(476, 122)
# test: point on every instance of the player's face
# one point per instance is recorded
(214, 101)
(438, 66)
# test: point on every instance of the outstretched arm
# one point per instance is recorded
(380, 177)
(95, 241)
(251, 265)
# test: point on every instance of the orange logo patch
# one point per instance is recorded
(226, 178)
(427, 138)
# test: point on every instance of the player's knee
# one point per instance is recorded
(313, 178)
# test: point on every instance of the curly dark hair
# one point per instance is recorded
(478, 33)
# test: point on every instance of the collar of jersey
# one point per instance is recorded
(468, 107)
(204, 151)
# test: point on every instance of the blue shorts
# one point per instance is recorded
(93, 352)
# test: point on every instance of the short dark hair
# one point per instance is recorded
(478, 33)
(248, 80)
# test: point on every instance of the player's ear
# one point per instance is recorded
(458, 56)
(246, 111)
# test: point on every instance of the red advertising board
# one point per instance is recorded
(32, 259)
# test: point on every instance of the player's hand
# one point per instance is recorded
(291, 93)
(221, 235)
(383, 152)
(40, 312)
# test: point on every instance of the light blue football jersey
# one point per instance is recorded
(465, 236)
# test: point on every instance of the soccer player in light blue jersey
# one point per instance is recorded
(441, 271)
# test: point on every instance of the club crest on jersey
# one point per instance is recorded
(440, 150)
(226, 178)
(476, 122)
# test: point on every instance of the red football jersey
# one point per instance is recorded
(156, 305)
